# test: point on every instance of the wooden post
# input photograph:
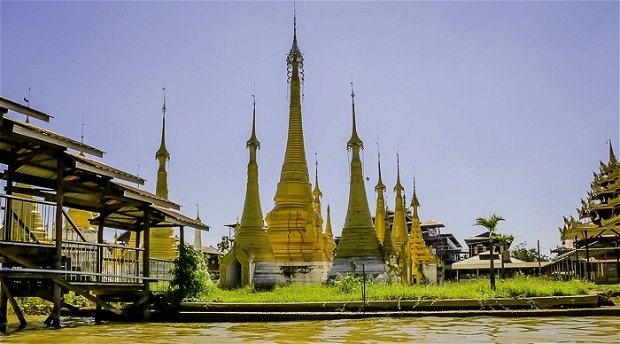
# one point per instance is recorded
(99, 267)
(8, 221)
(100, 226)
(538, 256)
(585, 236)
(617, 256)
(577, 265)
(3, 307)
(55, 316)
(137, 259)
(146, 254)
(9, 295)
(181, 257)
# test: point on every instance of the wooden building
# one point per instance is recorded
(43, 170)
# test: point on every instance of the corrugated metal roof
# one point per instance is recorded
(29, 130)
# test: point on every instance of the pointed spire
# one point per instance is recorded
(414, 199)
(328, 223)
(197, 233)
(612, 156)
(380, 185)
(162, 152)
(317, 191)
(163, 156)
(359, 238)
(354, 140)
(252, 216)
(399, 227)
(295, 166)
(253, 141)
(295, 59)
(380, 227)
(398, 187)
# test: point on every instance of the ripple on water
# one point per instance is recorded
(373, 330)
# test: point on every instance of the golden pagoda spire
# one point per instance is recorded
(388, 248)
(252, 217)
(420, 253)
(294, 175)
(197, 233)
(163, 156)
(415, 204)
(328, 224)
(251, 248)
(292, 223)
(612, 156)
(328, 237)
(399, 228)
(380, 211)
(359, 239)
(317, 191)
(163, 242)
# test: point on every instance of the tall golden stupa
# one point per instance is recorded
(163, 243)
(359, 244)
(423, 261)
(400, 235)
(292, 223)
(251, 261)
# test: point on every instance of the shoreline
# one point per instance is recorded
(581, 305)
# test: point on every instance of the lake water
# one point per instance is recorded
(556, 329)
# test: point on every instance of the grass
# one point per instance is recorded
(350, 290)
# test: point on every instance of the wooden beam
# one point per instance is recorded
(75, 228)
(9, 295)
(146, 254)
(55, 316)
(62, 282)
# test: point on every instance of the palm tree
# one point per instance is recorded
(504, 242)
(490, 224)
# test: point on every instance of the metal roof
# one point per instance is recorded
(38, 157)
(8, 104)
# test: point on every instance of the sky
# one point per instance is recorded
(495, 107)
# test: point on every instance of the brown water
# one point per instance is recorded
(590, 329)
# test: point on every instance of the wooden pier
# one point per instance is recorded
(42, 253)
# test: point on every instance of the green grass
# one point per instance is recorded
(350, 290)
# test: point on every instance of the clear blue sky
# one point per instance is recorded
(502, 107)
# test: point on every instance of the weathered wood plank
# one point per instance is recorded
(18, 311)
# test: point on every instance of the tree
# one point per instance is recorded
(525, 254)
(504, 242)
(225, 244)
(490, 224)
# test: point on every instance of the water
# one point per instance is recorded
(556, 329)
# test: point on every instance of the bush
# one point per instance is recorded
(190, 272)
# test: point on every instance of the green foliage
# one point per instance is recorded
(190, 277)
(225, 244)
(349, 284)
(348, 289)
(489, 223)
(527, 254)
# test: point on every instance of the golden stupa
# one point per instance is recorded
(27, 224)
(400, 235)
(359, 244)
(251, 261)
(292, 223)
(423, 262)
(163, 243)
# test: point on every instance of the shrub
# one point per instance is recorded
(190, 278)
